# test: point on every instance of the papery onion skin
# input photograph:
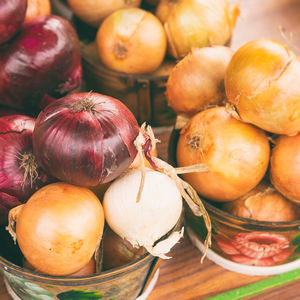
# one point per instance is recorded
(132, 41)
(285, 166)
(157, 212)
(163, 9)
(263, 203)
(85, 138)
(43, 60)
(93, 12)
(236, 153)
(197, 81)
(12, 15)
(262, 82)
(16, 185)
(37, 8)
(199, 23)
(59, 228)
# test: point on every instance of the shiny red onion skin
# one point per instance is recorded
(85, 147)
(43, 61)
(16, 139)
(12, 16)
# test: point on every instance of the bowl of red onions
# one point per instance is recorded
(250, 145)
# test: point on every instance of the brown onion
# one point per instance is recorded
(131, 41)
(262, 82)
(59, 228)
(285, 166)
(236, 153)
(263, 203)
(199, 23)
(197, 81)
(85, 138)
(93, 12)
(163, 9)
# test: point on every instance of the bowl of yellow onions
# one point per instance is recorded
(250, 144)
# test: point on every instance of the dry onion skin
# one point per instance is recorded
(262, 82)
(236, 153)
(285, 166)
(92, 12)
(163, 9)
(144, 222)
(199, 23)
(263, 203)
(132, 41)
(197, 81)
(37, 8)
(59, 228)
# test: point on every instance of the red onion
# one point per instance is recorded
(12, 15)
(20, 174)
(85, 138)
(43, 61)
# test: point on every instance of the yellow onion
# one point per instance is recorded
(199, 23)
(37, 8)
(262, 82)
(263, 203)
(236, 153)
(197, 80)
(285, 166)
(59, 228)
(132, 41)
(163, 9)
(93, 12)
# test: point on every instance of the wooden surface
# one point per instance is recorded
(183, 277)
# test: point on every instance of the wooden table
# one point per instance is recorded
(183, 277)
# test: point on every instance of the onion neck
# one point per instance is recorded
(28, 163)
(84, 104)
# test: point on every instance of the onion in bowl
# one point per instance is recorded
(43, 61)
(132, 41)
(236, 153)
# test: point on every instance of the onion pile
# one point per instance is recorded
(131, 40)
(254, 179)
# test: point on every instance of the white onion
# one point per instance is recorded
(144, 222)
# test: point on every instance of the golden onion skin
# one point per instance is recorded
(236, 153)
(262, 82)
(285, 166)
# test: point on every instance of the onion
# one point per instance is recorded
(93, 12)
(144, 222)
(118, 252)
(199, 23)
(20, 174)
(37, 8)
(263, 203)
(132, 41)
(262, 82)
(59, 228)
(236, 153)
(44, 60)
(85, 138)
(12, 15)
(197, 81)
(285, 166)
